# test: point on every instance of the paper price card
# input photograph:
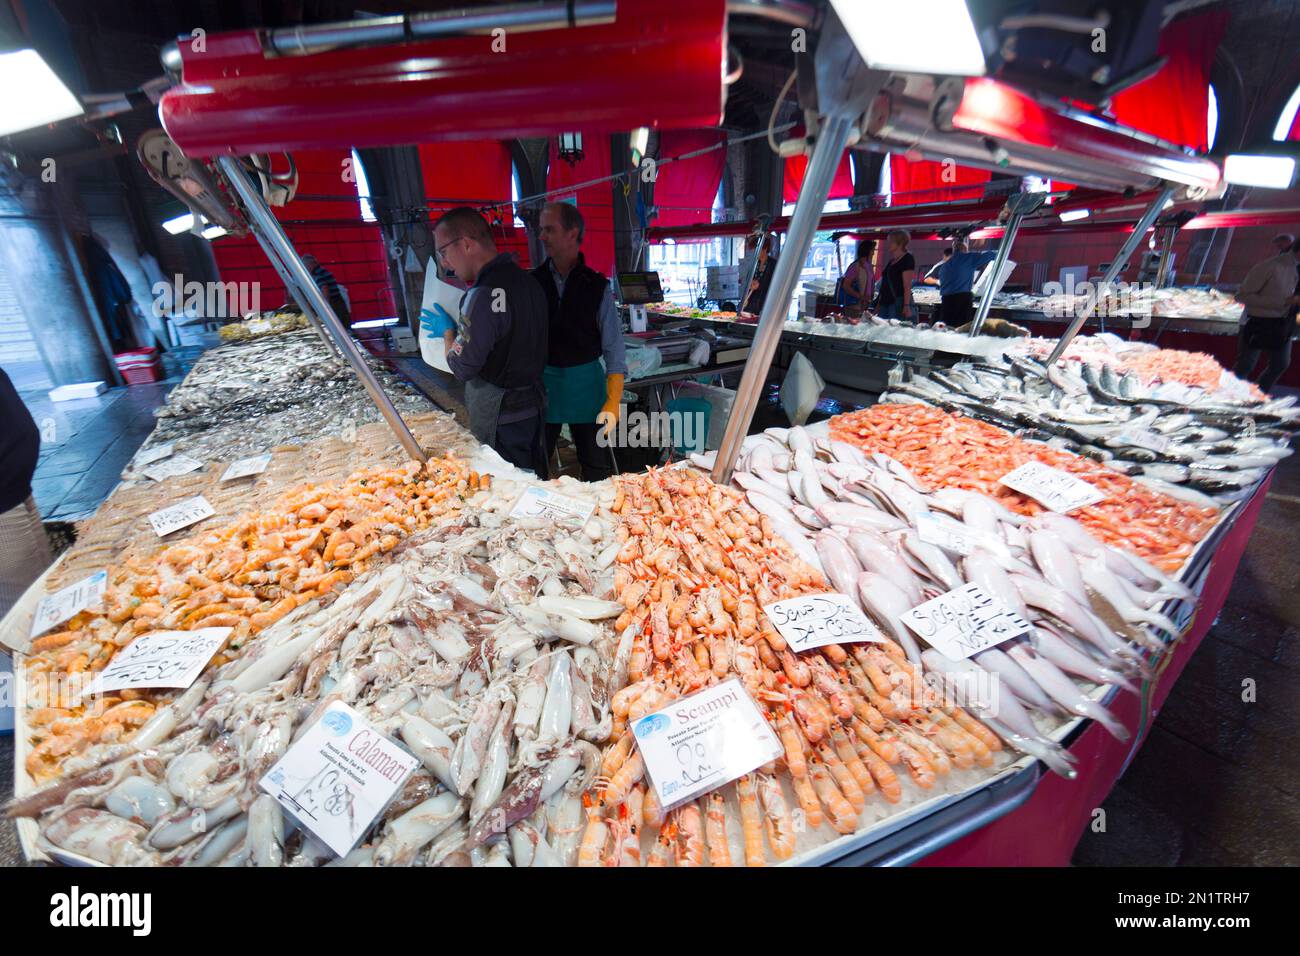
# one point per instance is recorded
(257, 326)
(1144, 438)
(815, 620)
(180, 515)
(965, 621)
(161, 659)
(698, 743)
(542, 503)
(954, 536)
(339, 777)
(1051, 487)
(69, 602)
(156, 453)
(178, 465)
(247, 466)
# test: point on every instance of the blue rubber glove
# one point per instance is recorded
(436, 321)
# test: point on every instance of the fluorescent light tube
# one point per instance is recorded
(1070, 215)
(917, 36)
(1273, 172)
(180, 224)
(34, 95)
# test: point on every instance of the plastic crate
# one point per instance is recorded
(143, 374)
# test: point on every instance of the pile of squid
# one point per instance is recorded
(484, 648)
(696, 567)
(246, 575)
(1094, 609)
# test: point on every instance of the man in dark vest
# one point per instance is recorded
(500, 349)
(581, 391)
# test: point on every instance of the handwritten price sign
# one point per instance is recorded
(178, 465)
(180, 515)
(954, 536)
(69, 602)
(161, 659)
(701, 742)
(339, 777)
(965, 621)
(1143, 438)
(815, 620)
(1055, 489)
(541, 503)
(156, 453)
(247, 466)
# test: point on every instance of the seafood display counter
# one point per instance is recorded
(513, 644)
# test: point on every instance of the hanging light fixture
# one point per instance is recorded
(571, 148)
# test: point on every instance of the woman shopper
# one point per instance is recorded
(1269, 294)
(895, 298)
(859, 282)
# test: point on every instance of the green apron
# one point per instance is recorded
(575, 394)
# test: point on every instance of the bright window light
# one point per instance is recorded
(180, 224)
(1072, 215)
(34, 95)
(515, 192)
(1273, 172)
(363, 189)
(1283, 128)
(1211, 118)
(887, 36)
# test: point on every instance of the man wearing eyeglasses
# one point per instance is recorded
(500, 349)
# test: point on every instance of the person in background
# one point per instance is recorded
(24, 551)
(1269, 294)
(501, 349)
(329, 287)
(956, 276)
(894, 301)
(859, 283)
(931, 277)
(581, 391)
(763, 270)
(1283, 242)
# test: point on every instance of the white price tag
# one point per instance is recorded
(1143, 438)
(258, 326)
(247, 466)
(954, 536)
(540, 503)
(965, 621)
(698, 743)
(1055, 489)
(180, 515)
(156, 453)
(69, 602)
(179, 465)
(339, 777)
(815, 620)
(161, 659)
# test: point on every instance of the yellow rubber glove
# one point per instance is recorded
(608, 416)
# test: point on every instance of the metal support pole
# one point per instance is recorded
(845, 87)
(292, 289)
(270, 228)
(1117, 265)
(1021, 205)
(1166, 256)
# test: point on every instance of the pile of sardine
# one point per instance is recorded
(1204, 451)
(857, 518)
(482, 649)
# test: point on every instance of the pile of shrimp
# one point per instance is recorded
(696, 567)
(246, 575)
(952, 451)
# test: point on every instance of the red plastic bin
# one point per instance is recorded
(142, 374)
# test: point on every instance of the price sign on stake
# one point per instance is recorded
(247, 466)
(258, 326)
(69, 602)
(698, 743)
(156, 453)
(1055, 489)
(161, 659)
(965, 621)
(339, 777)
(815, 620)
(541, 503)
(180, 515)
(1144, 438)
(179, 465)
(954, 536)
